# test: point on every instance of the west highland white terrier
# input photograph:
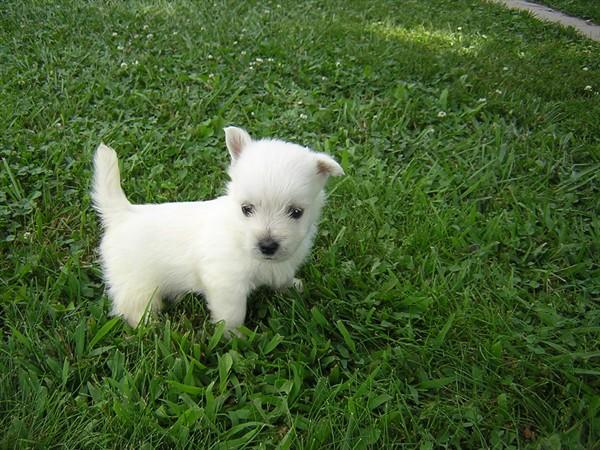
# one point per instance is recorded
(257, 234)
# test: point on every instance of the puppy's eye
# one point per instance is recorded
(248, 210)
(295, 213)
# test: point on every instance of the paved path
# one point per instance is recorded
(545, 13)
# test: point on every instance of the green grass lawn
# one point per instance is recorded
(451, 300)
(587, 9)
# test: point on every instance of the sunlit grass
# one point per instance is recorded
(455, 40)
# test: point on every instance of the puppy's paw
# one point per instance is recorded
(294, 283)
(234, 332)
(297, 284)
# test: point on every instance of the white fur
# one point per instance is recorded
(151, 252)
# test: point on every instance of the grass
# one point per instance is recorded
(451, 300)
(587, 9)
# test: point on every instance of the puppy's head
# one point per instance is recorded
(277, 188)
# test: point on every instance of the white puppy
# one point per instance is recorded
(257, 234)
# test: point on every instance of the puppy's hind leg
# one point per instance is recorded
(135, 304)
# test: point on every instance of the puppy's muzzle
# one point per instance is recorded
(268, 246)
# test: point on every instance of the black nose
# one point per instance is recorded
(268, 246)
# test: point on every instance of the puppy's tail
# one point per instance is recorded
(108, 197)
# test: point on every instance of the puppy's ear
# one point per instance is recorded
(327, 166)
(236, 139)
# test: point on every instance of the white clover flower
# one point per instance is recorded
(441, 114)
(303, 116)
(114, 33)
(145, 27)
(123, 65)
(120, 47)
(210, 56)
(498, 91)
(505, 68)
(585, 69)
(243, 52)
(338, 64)
(323, 78)
(259, 60)
(459, 28)
(149, 36)
(270, 59)
(482, 100)
(175, 33)
(136, 62)
(587, 88)
(211, 75)
(235, 42)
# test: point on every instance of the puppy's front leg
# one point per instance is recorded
(295, 283)
(228, 304)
